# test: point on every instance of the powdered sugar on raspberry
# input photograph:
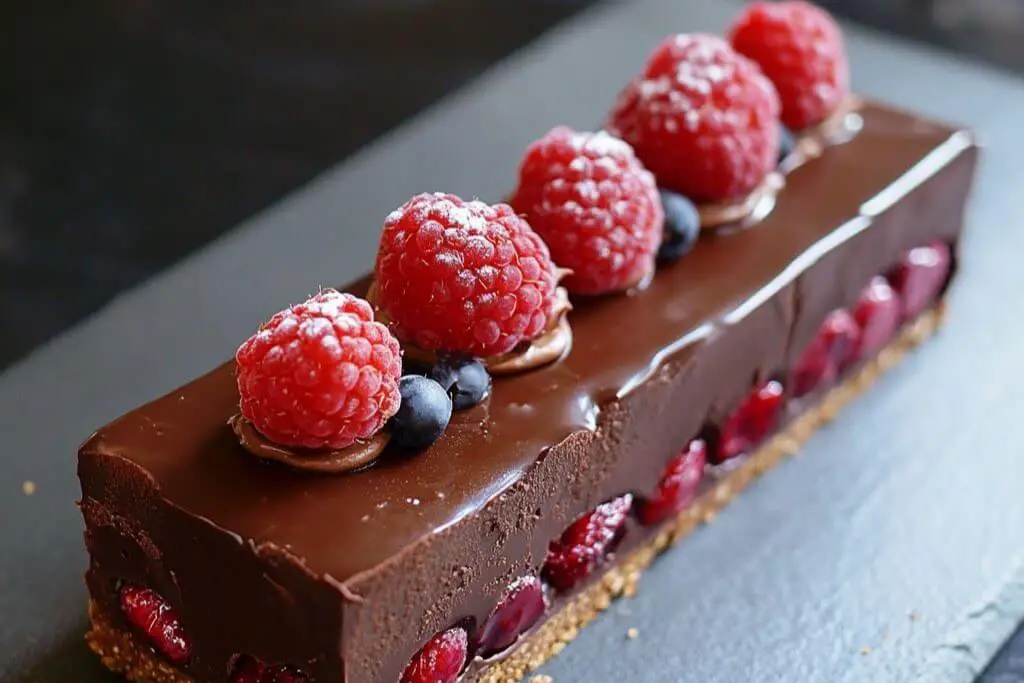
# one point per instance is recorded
(682, 93)
(599, 145)
(320, 375)
(462, 276)
(701, 117)
(595, 205)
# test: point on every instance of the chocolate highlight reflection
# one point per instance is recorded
(348, 576)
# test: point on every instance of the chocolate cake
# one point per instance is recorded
(479, 555)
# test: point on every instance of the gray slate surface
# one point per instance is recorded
(910, 504)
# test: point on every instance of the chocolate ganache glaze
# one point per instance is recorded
(349, 575)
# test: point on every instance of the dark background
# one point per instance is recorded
(134, 131)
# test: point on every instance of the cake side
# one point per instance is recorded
(120, 651)
(420, 567)
(638, 433)
(623, 576)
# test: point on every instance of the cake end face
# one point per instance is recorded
(209, 597)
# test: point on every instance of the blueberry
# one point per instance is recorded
(787, 143)
(423, 415)
(465, 380)
(682, 226)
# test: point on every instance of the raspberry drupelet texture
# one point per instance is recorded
(321, 374)
(583, 546)
(464, 277)
(595, 205)
(800, 48)
(702, 118)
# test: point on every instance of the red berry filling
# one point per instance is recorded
(920, 276)
(248, 669)
(878, 313)
(152, 616)
(752, 421)
(678, 486)
(524, 603)
(586, 543)
(828, 354)
(464, 277)
(441, 659)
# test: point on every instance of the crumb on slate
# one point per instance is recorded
(28, 488)
(543, 678)
(632, 633)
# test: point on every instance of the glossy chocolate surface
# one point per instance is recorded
(184, 440)
(404, 542)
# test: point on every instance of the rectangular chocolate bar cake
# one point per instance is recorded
(348, 576)
(307, 513)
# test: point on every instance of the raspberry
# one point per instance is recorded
(585, 544)
(752, 422)
(321, 374)
(920, 276)
(878, 312)
(596, 207)
(464, 276)
(827, 355)
(523, 604)
(153, 617)
(800, 48)
(678, 486)
(441, 659)
(702, 118)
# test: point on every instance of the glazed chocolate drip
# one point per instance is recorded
(382, 559)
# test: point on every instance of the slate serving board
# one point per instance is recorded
(891, 550)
